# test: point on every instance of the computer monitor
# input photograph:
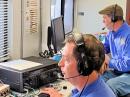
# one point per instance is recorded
(58, 36)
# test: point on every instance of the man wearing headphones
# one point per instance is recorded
(82, 58)
(117, 42)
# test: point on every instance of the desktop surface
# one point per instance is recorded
(45, 61)
(63, 86)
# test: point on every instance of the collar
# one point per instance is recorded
(121, 29)
(88, 88)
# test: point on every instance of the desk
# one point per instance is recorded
(66, 92)
(57, 85)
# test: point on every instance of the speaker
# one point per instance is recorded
(114, 18)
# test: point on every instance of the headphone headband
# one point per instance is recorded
(114, 18)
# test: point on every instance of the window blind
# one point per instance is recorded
(4, 47)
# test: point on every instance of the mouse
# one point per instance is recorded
(43, 95)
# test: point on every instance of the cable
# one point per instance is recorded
(27, 92)
(33, 90)
(1, 82)
(84, 87)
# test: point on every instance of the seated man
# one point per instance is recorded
(117, 42)
(82, 58)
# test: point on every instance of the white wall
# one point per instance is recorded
(15, 29)
(27, 44)
(91, 21)
(31, 34)
(46, 17)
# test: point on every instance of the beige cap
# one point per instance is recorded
(112, 9)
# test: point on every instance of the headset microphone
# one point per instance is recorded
(70, 77)
(103, 28)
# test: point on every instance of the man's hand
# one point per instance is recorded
(51, 91)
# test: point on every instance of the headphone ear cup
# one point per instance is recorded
(114, 19)
(83, 67)
(79, 67)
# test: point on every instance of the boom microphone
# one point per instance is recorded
(69, 77)
(103, 28)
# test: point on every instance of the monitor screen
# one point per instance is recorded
(58, 36)
(68, 16)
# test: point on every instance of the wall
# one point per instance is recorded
(87, 19)
(15, 28)
(46, 17)
(31, 28)
(24, 44)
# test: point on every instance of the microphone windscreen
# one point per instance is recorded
(103, 28)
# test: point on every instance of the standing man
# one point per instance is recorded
(82, 58)
(117, 43)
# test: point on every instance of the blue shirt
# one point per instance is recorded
(96, 89)
(118, 44)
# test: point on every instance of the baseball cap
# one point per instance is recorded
(116, 9)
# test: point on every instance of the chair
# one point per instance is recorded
(128, 95)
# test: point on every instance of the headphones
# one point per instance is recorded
(114, 18)
(86, 64)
